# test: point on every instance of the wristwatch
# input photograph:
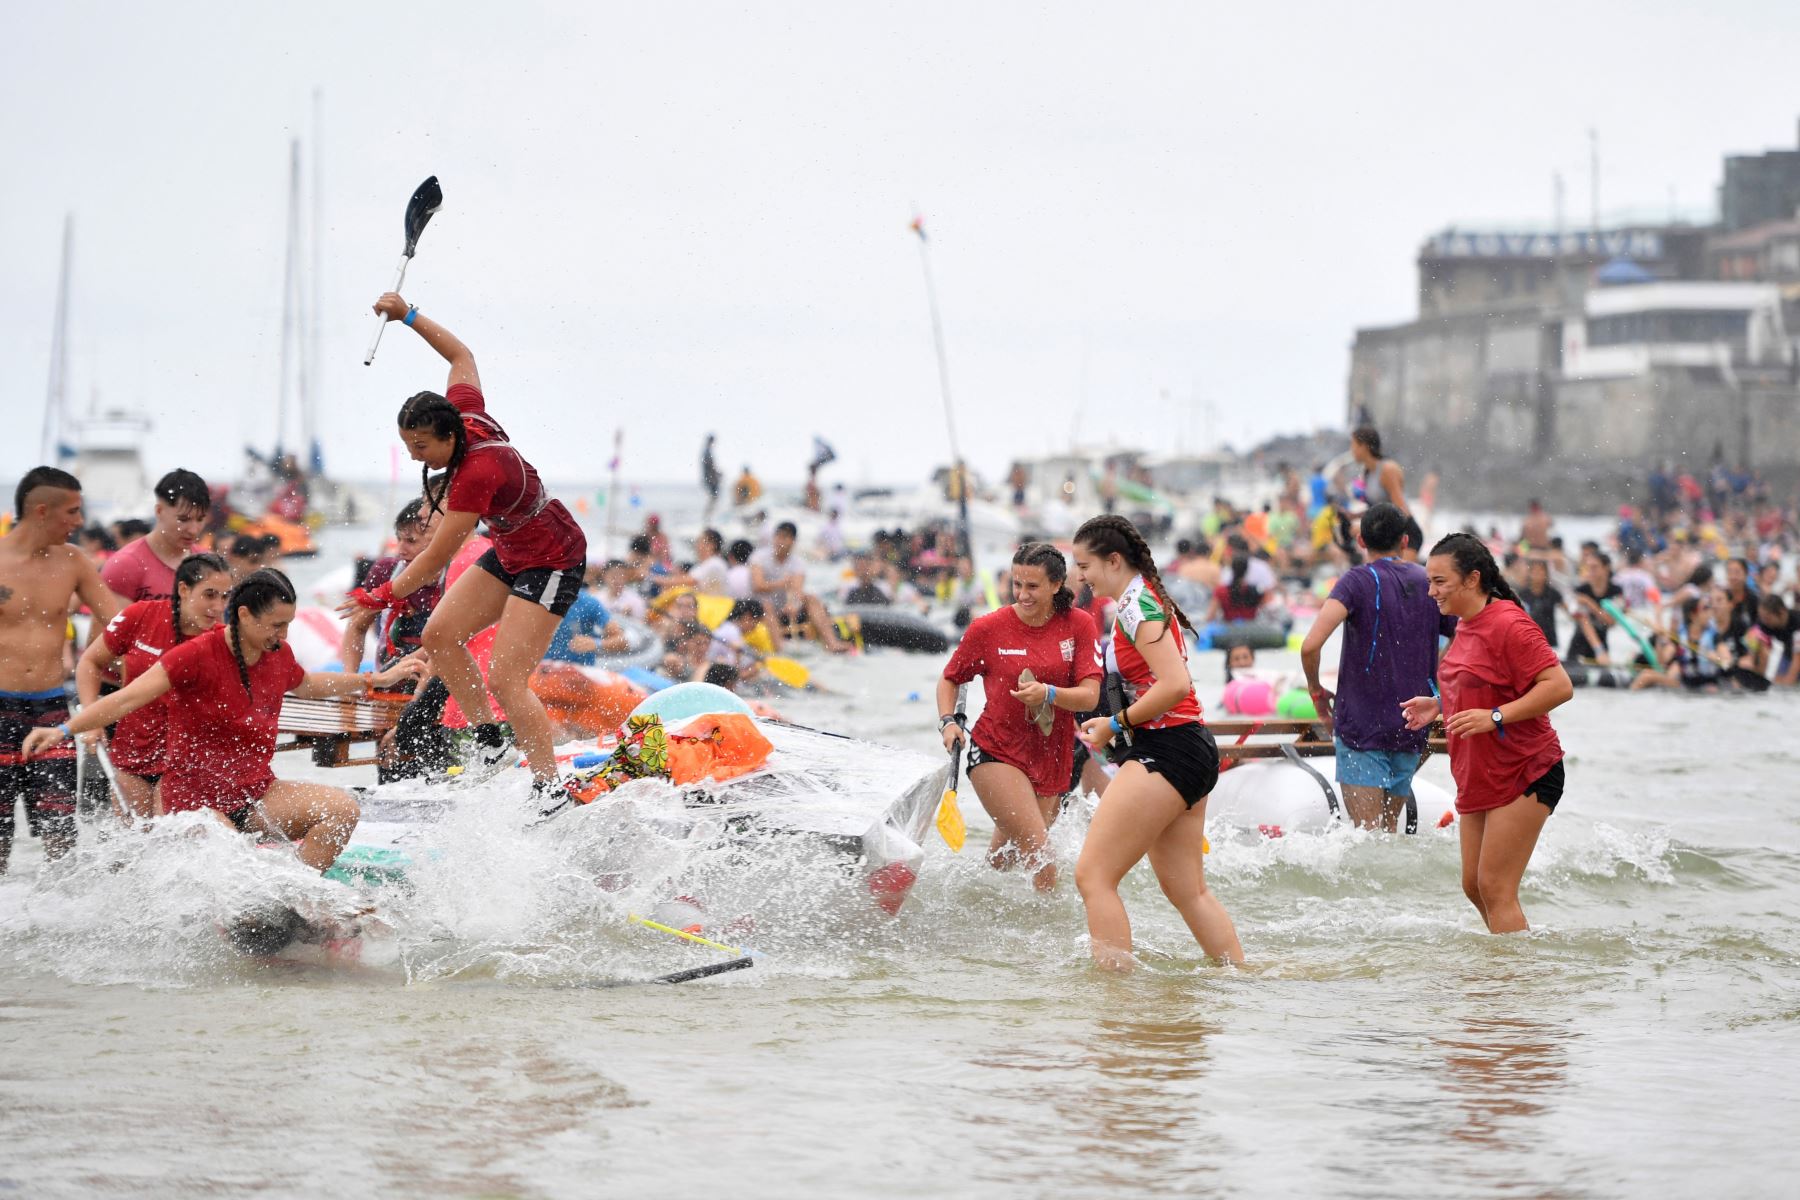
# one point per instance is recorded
(1499, 722)
(947, 719)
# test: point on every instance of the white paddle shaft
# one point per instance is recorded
(381, 324)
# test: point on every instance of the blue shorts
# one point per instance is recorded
(1389, 770)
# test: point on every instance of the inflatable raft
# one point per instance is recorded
(1277, 797)
(880, 625)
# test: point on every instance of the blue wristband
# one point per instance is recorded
(1050, 695)
(1116, 727)
(64, 730)
(410, 314)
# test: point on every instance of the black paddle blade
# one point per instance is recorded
(419, 210)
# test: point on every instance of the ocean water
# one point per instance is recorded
(1642, 1040)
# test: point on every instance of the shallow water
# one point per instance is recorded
(1640, 1041)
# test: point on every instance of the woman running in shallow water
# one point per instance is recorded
(526, 582)
(1499, 680)
(1156, 805)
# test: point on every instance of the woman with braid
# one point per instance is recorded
(1156, 805)
(1498, 681)
(132, 643)
(526, 582)
(225, 688)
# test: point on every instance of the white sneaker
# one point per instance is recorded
(485, 761)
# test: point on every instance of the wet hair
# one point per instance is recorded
(721, 675)
(639, 544)
(789, 528)
(746, 608)
(245, 545)
(1383, 528)
(435, 415)
(258, 591)
(42, 477)
(1472, 557)
(1109, 535)
(1369, 436)
(1055, 567)
(412, 516)
(109, 543)
(182, 486)
(739, 551)
(1243, 594)
(192, 570)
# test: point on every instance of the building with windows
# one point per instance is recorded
(1758, 188)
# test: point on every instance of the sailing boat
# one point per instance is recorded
(103, 449)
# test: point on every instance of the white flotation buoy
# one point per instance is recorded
(1278, 798)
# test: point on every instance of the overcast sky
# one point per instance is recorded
(1152, 225)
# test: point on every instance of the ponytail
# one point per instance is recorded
(1055, 567)
(1110, 535)
(259, 591)
(192, 570)
(1472, 557)
(434, 414)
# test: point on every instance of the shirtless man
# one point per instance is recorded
(39, 574)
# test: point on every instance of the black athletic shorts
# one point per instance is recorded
(1547, 789)
(47, 783)
(553, 588)
(980, 758)
(1185, 755)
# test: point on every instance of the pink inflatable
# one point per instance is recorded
(1249, 697)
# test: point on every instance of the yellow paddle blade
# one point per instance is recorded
(713, 609)
(788, 671)
(758, 639)
(950, 822)
(1206, 846)
(683, 934)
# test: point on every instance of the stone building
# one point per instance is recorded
(1565, 365)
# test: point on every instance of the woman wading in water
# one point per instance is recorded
(1156, 805)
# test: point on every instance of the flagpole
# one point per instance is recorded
(966, 544)
(612, 493)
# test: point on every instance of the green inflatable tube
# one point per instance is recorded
(1296, 705)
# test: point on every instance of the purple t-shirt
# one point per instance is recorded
(1389, 653)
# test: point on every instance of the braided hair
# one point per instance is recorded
(258, 591)
(1472, 557)
(1111, 535)
(434, 414)
(192, 570)
(1056, 568)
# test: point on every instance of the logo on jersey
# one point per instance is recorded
(114, 623)
(1020, 653)
(152, 651)
(1067, 646)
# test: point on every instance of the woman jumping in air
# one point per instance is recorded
(526, 582)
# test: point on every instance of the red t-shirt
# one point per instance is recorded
(221, 739)
(1234, 611)
(137, 574)
(1491, 661)
(1061, 652)
(530, 529)
(140, 634)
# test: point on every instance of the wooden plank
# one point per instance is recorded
(1232, 751)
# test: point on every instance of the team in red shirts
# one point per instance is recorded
(1019, 769)
(526, 582)
(225, 688)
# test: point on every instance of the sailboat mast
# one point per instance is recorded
(56, 403)
(288, 285)
(310, 401)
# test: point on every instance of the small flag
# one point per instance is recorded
(822, 453)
